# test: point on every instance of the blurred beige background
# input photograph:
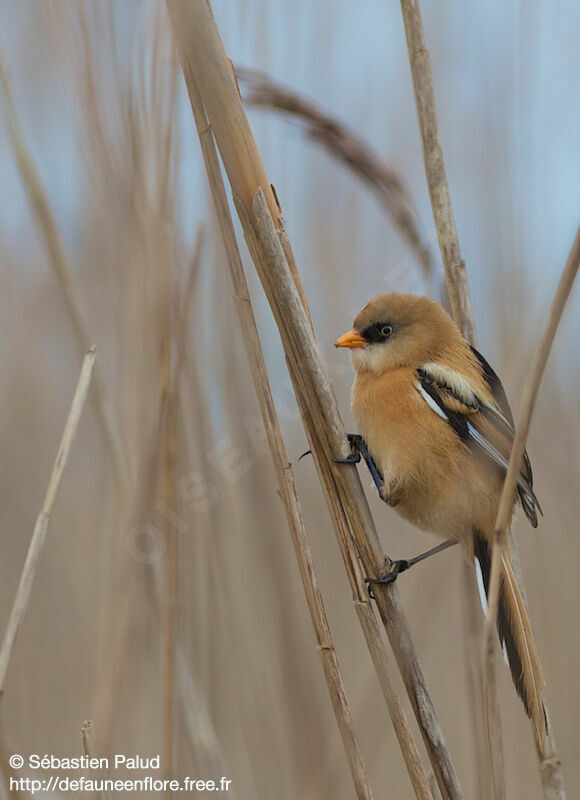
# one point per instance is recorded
(104, 114)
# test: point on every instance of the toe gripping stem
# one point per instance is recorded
(360, 450)
(395, 569)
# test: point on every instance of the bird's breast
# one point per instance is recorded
(387, 415)
(416, 451)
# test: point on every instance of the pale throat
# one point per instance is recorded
(371, 358)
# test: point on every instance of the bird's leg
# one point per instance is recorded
(403, 564)
(359, 448)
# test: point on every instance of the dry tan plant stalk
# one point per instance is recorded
(170, 369)
(204, 61)
(551, 766)
(344, 145)
(163, 599)
(172, 374)
(472, 636)
(458, 291)
(284, 472)
(7, 772)
(147, 228)
(170, 567)
(362, 605)
(41, 528)
(315, 392)
(48, 228)
(365, 612)
(86, 736)
(453, 264)
(349, 149)
(552, 781)
(462, 312)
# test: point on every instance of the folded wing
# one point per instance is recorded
(487, 426)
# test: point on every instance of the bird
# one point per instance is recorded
(435, 428)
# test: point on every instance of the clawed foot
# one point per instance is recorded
(403, 564)
(358, 446)
(391, 576)
(360, 449)
(357, 443)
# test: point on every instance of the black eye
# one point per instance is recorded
(378, 332)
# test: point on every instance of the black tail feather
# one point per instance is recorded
(483, 554)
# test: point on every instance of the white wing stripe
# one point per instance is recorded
(485, 445)
(430, 402)
(489, 448)
(495, 455)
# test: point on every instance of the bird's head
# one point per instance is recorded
(398, 330)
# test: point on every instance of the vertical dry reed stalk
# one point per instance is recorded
(552, 779)
(170, 366)
(48, 228)
(43, 521)
(462, 312)
(205, 63)
(459, 298)
(282, 465)
(7, 772)
(315, 394)
(456, 278)
(86, 737)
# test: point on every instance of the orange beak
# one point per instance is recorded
(351, 339)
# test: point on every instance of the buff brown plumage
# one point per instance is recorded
(438, 426)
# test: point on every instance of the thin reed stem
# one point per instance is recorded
(456, 278)
(194, 38)
(40, 206)
(457, 292)
(204, 60)
(41, 528)
(526, 409)
(282, 466)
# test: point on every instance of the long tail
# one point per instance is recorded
(515, 632)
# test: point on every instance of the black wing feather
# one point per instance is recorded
(501, 420)
(529, 500)
(455, 419)
(495, 387)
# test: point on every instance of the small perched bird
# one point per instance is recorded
(436, 430)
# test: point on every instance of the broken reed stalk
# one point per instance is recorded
(86, 736)
(205, 64)
(49, 232)
(283, 468)
(41, 528)
(526, 409)
(350, 150)
(551, 766)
